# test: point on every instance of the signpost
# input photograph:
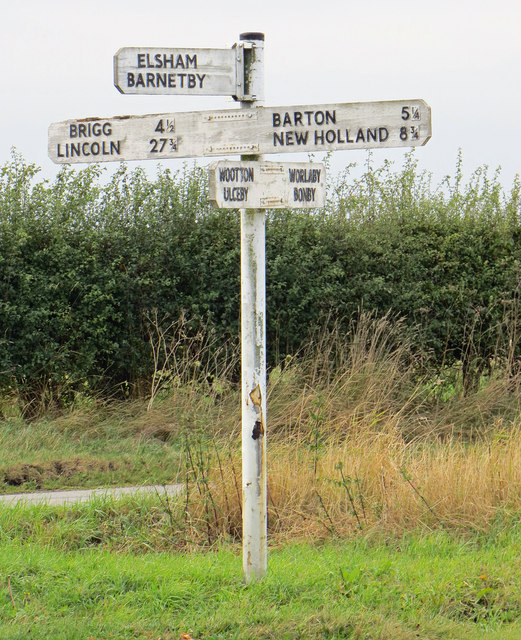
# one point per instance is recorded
(253, 346)
(250, 184)
(166, 71)
(263, 130)
(274, 185)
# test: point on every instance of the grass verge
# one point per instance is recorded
(418, 586)
(115, 445)
(409, 490)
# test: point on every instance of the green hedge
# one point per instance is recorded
(83, 261)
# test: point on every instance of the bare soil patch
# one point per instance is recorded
(41, 473)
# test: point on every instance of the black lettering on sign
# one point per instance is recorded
(371, 135)
(169, 126)
(235, 194)
(236, 174)
(86, 149)
(304, 194)
(330, 136)
(191, 61)
(304, 175)
(90, 129)
(411, 112)
(343, 136)
(195, 80)
(300, 119)
(287, 138)
(162, 79)
(412, 132)
(159, 144)
(166, 61)
(319, 117)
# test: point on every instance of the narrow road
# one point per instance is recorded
(83, 495)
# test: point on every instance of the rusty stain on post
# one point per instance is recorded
(256, 396)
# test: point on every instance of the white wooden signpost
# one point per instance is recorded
(264, 130)
(273, 185)
(250, 184)
(166, 71)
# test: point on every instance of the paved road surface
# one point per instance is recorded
(83, 495)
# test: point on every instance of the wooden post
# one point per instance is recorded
(253, 346)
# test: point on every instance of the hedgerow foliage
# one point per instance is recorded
(84, 262)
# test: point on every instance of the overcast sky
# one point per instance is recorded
(463, 57)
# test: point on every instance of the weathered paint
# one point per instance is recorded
(253, 352)
(253, 185)
(287, 129)
(168, 71)
(254, 394)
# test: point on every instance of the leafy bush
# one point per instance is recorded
(83, 263)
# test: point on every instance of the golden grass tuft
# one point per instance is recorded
(368, 482)
(358, 443)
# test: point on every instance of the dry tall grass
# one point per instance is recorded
(357, 442)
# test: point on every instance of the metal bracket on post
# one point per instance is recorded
(253, 345)
(250, 68)
(239, 71)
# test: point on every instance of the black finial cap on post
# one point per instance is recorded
(252, 35)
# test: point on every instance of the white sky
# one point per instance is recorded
(463, 57)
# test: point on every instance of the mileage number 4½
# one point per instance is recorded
(164, 144)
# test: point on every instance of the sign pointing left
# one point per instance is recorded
(167, 71)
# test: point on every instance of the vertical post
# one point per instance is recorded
(253, 346)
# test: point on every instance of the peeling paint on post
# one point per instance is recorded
(253, 346)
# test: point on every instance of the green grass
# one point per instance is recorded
(419, 586)
(128, 524)
(152, 568)
(87, 449)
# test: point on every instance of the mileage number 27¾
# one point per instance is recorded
(163, 144)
